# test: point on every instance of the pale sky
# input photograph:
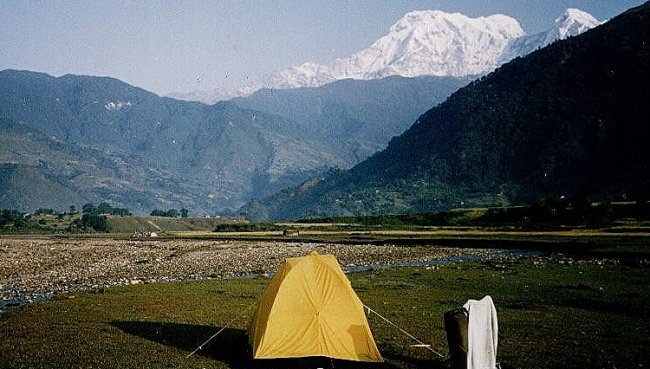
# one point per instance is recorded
(180, 46)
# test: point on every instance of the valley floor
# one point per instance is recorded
(555, 310)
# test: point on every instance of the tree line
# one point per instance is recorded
(94, 218)
(171, 213)
(89, 208)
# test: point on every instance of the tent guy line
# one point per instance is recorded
(220, 330)
(370, 310)
(420, 343)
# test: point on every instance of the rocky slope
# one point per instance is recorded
(77, 138)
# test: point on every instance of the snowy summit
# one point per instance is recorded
(572, 23)
(420, 43)
(427, 42)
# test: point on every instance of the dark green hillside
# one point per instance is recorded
(568, 120)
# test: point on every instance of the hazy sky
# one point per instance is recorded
(171, 45)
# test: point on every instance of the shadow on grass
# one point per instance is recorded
(231, 347)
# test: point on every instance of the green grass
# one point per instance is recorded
(551, 315)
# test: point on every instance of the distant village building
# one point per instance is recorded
(291, 233)
(141, 234)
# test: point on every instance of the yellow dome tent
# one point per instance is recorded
(310, 309)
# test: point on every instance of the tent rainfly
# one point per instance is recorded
(310, 309)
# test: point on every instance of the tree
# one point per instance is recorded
(95, 222)
(20, 222)
(104, 208)
(89, 209)
(43, 211)
(184, 213)
(171, 213)
(120, 212)
(73, 210)
(9, 216)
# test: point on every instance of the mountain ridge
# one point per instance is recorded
(362, 116)
(109, 141)
(428, 42)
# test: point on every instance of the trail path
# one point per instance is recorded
(154, 225)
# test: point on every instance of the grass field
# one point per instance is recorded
(554, 312)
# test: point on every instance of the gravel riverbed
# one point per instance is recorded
(37, 269)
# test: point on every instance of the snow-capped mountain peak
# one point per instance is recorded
(573, 22)
(426, 42)
(420, 43)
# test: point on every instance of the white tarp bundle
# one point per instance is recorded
(482, 334)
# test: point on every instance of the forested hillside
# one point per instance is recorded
(567, 120)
